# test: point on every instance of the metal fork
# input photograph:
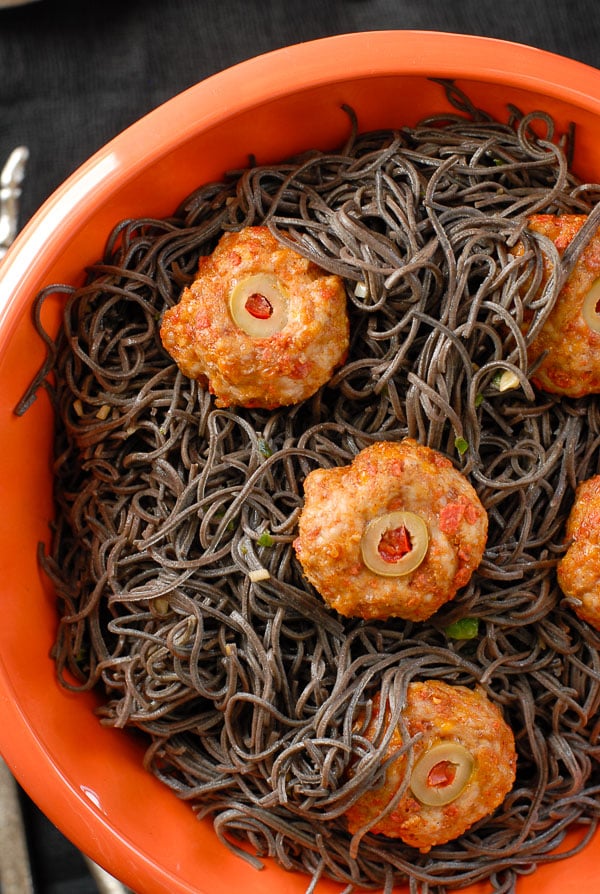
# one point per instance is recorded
(15, 868)
(15, 871)
(11, 177)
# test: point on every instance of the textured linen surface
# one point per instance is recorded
(73, 73)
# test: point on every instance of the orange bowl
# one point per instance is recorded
(89, 779)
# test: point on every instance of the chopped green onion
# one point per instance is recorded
(466, 628)
(479, 400)
(264, 448)
(231, 524)
(505, 380)
(461, 445)
(161, 606)
(82, 659)
(265, 539)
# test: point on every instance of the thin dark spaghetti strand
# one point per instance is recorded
(248, 690)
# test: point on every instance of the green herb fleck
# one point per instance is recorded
(231, 524)
(466, 628)
(461, 445)
(506, 380)
(265, 539)
(479, 400)
(82, 659)
(264, 448)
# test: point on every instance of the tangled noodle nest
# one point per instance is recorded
(248, 690)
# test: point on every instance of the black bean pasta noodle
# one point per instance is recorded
(248, 689)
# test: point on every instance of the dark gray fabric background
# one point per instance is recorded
(73, 73)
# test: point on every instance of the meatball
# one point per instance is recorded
(395, 533)
(579, 569)
(571, 334)
(261, 324)
(464, 766)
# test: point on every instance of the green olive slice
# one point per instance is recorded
(258, 305)
(591, 307)
(379, 543)
(441, 774)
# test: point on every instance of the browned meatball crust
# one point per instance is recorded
(470, 736)
(337, 532)
(579, 570)
(261, 324)
(571, 365)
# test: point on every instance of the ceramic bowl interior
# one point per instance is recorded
(89, 780)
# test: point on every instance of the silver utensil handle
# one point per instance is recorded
(105, 883)
(11, 177)
(15, 869)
